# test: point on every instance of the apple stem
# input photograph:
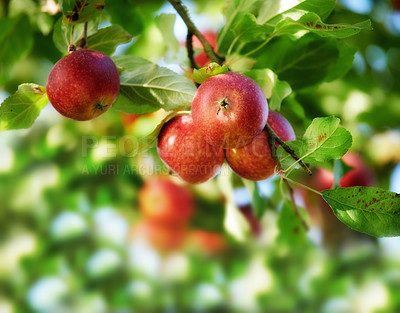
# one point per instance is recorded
(208, 49)
(223, 104)
(289, 150)
(301, 185)
(71, 48)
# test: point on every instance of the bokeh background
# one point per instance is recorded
(73, 236)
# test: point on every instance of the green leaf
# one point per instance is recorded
(127, 14)
(322, 8)
(200, 75)
(234, 12)
(276, 11)
(123, 104)
(67, 6)
(370, 210)
(146, 83)
(343, 62)
(22, 108)
(165, 23)
(107, 39)
(60, 38)
(312, 22)
(274, 89)
(269, 9)
(247, 29)
(291, 230)
(306, 61)
(323, 140)
(63, 29)
(15, 42)
(81, 11)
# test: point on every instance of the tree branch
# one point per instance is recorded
(271, 142)
(189, 48)
(208, 49)
(289, 150)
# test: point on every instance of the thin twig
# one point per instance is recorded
(189, 47)
(83, 42)
(271, 143)
(296, 209)
(208, 49)
(289, 150)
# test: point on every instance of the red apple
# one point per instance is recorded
(254, 161)
(183, 149)
(229, 110)
(281, 126)
(83, 84)
(165, 202)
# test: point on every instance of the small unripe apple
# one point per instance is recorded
(183, 149)
(254, 161)
(163, 201)
(229, 110)
(83, 84)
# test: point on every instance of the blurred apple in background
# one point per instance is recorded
(359, 175)
(206, 242)
(201, 57)
(162, 237)
(128, 119)
(163, 201)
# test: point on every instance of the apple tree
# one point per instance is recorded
(271, 113)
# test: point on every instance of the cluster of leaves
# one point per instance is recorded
(284, 48)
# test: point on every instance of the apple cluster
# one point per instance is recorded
(227, 121)
(229, 113)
